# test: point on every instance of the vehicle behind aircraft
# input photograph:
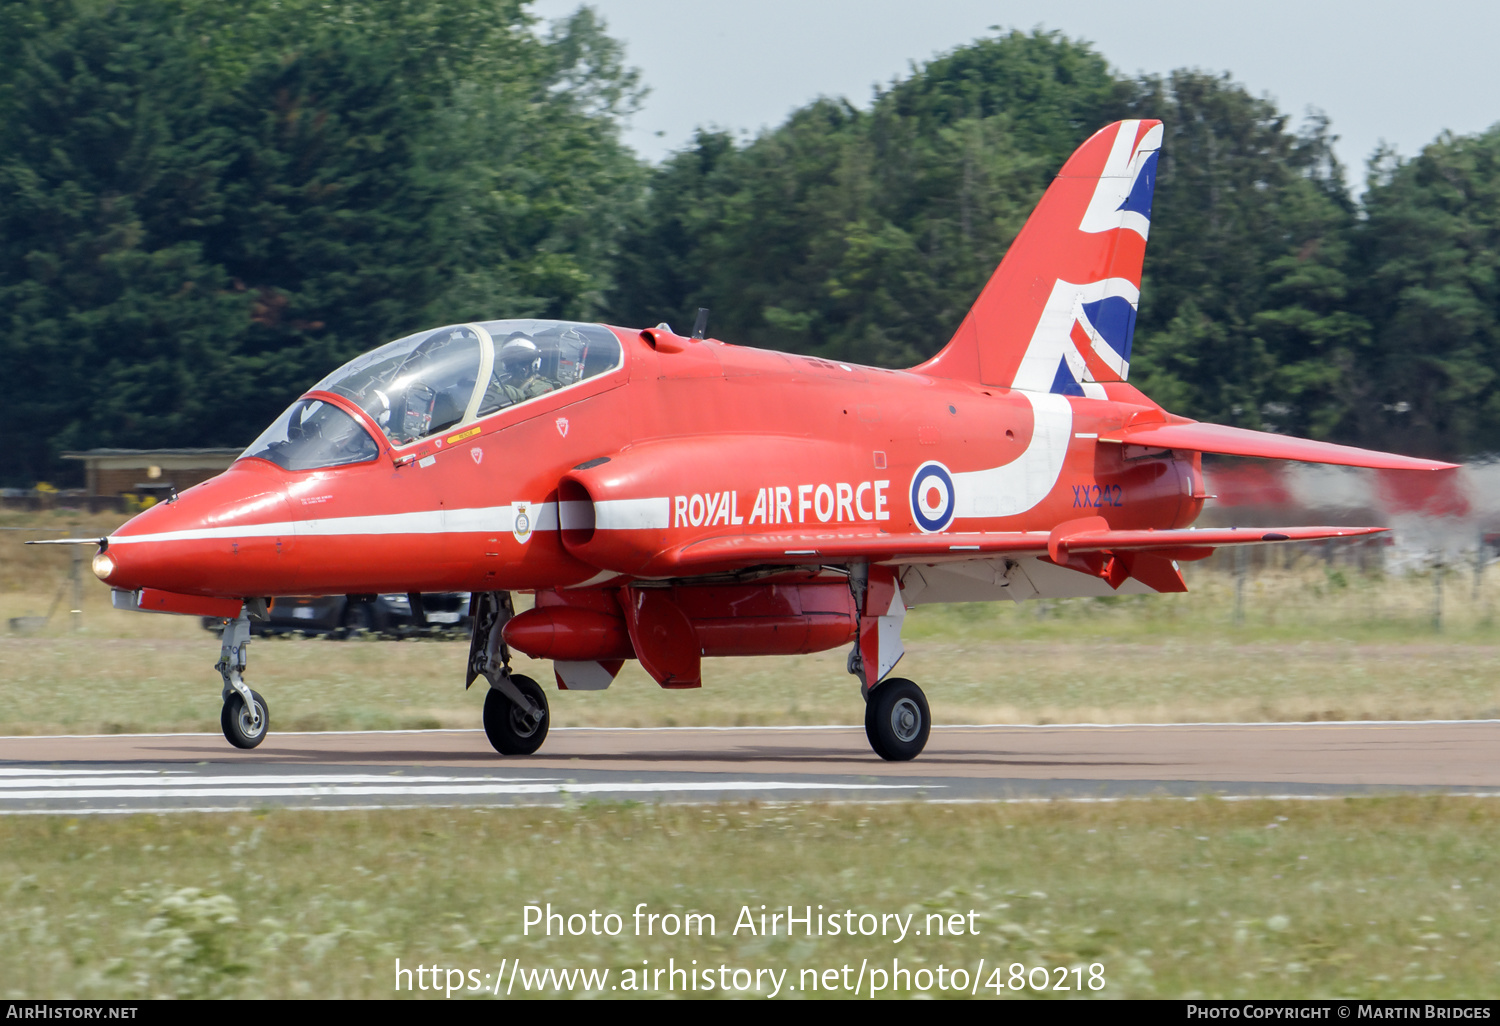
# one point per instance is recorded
(351, 616)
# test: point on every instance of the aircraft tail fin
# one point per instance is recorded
(1058, 315)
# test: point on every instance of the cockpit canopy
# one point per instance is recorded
(435, 381)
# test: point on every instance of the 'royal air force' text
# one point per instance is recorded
(840, 503)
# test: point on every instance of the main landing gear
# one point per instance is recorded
(514, 730)
(246, 719)
(515, 711)
(897, 720)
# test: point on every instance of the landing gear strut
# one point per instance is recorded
(515, 711)
(246, 719)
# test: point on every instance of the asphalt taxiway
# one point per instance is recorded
(150, 772)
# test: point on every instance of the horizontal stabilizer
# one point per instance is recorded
(730, 552)
(1233, 441)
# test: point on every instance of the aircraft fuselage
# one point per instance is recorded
(698, 439)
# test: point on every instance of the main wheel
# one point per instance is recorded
(507, 725)
(239, 728)
(897, 720)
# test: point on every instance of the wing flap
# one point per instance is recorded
(1233, 441)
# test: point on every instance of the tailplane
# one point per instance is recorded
(1058, 315)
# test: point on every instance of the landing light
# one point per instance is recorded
(104, 565)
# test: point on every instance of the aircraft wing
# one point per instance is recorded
(1233, 441)
(1089, 535)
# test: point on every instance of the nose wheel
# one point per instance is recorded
(245, 726)
(897, 719)
(246, 719)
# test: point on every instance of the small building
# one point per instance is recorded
(149, 472)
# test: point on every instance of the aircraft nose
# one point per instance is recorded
(230, 536)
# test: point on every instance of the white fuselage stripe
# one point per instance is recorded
(1021, 484)
(609, 515)
(632, 514)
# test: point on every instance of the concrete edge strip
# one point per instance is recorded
(813, 727)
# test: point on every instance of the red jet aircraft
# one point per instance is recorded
(668, 498)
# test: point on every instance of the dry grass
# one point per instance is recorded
(41, 568)
(1316, 642)
(165, 682)
(1359, 897)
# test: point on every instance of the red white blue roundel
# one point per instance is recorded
(932, 497)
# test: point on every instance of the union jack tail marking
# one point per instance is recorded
(1059, 313)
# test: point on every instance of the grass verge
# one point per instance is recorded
(1314, 643)
(1387, 897)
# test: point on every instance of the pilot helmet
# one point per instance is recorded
(381, 411)
(518, 353)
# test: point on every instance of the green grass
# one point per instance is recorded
(1391, 897)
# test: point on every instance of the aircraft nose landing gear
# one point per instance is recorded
(244, 725)
(246, 719)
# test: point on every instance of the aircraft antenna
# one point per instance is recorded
(701, 324)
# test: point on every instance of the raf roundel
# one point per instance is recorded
(932, 497)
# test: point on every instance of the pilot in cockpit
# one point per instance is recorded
(517, 376)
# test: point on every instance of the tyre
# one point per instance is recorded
(897, 720)
(508, 727)
(239, 729)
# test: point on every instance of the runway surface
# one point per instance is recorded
(146, 772)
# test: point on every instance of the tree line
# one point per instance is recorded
(206, 207)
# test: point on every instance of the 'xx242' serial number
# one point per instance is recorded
(1095, 496)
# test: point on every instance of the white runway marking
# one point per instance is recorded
(135, 785)
(150, 778)
(26, 771)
